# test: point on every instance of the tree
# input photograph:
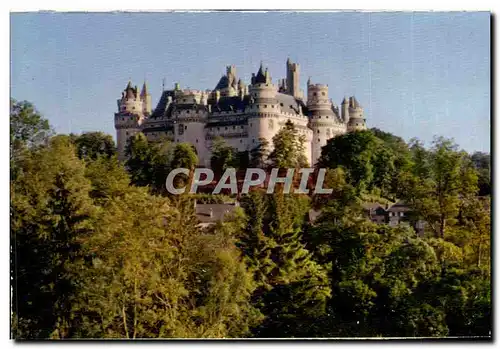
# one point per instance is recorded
(184, 156)
(50, 210)
(91, 145)
(150, 272)
(223, 156)
(259, 154)
(148, 163)
(354, 152)
(440, 179)
(292, 289)
(28, 128)
(289, 148)
(108, 179)
(482, 163)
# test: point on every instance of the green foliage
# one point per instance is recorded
(184, 156)
(482, 163)
(288, 149)
(164, 278)
(149, 163)
(91, 145)
(355, 153)
(292, 288)
(439, 181)
(222, 156)
(108, 179)
(28, 129)
(259, 154)
(50, 210)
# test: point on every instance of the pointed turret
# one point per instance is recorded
(129, 91)
(353, 103)
(260, 78)
(144, 90)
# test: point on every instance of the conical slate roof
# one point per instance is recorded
(223, 83)
(354, 103)
(129, 91)
(260, 78)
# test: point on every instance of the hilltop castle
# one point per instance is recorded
(239, 113)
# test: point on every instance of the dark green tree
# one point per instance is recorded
(91, 145)
(50, 210)
(259, 154)
(288, 149)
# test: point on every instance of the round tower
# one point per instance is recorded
(356, 120)
(263, 110)
(323, 120)
(129, 117)
(190, 115)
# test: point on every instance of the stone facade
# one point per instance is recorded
(241, 114)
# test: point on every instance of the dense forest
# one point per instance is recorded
(99, 249)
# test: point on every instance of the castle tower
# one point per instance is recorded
(189, 117)
(292, 79)
(146, 100)
(263, 111)
(356, 119)
(323, 119)
(345, 110)
(129, 117)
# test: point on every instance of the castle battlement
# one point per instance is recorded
(239, 113)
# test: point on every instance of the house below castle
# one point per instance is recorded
(241, 114)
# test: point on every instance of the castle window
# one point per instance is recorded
(126, 133)
(272, 106)
(318, 131)
(319, 140)
(250, 124)
(281, 104)
(242, 127)
(225, 128)
(241, 141)
(253, 140)
(196, 140)
(265, 105)
(187, 111)
(314, 94)
(327, 116)
(218, 128)
(185, 127)
(323, 93)
(234, 127)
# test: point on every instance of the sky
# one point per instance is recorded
(415, 74)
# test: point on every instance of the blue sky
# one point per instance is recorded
(416, 74)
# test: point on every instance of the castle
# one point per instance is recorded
(239, 113)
